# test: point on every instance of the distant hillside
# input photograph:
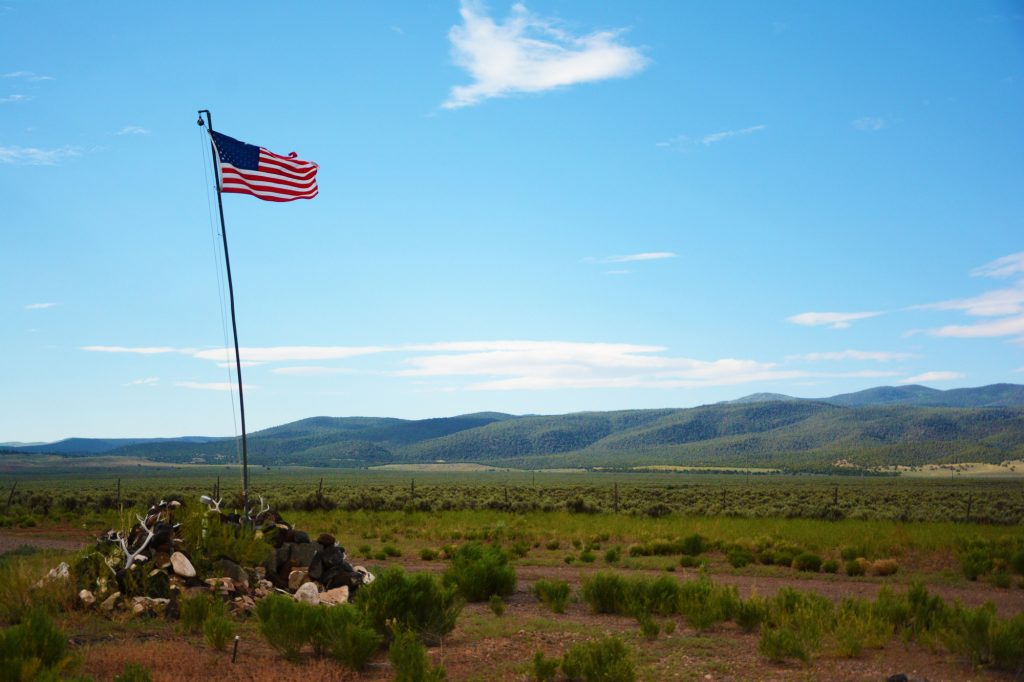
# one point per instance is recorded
(759, 398)
(996, 395)
(878, 427)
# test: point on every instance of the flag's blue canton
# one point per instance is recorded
(239, 154)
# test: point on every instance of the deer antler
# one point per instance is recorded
(132, 555)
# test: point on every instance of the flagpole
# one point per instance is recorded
(234, 325)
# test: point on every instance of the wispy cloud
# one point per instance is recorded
(33, 156)
(39, 306)
(26, 76)
(869, 124)
(132, 130)
(726, 134)
(685, 141)
(832, 320)
(529, 53)
(212, 386)
(632, 258)
(989, 304)
(310, 371)
(14, 99)
(1007, 266)
(148, 381)
(929, 377)
(1007, 326)
(876, 356)
(145, 350)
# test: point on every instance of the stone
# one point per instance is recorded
(326, 540)
(162, 560)
(367, 576)
(283, 553)
(339, 595)
(308, 594)
(111, 602)
(229, 569)
(243, 604)
(60, 572)
(182, 566)
(159, 605)
(303, 554)
(301, 537)
(139, 606)
(297, 578)
(87, 598)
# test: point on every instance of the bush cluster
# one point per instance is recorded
(341, 632)
(415, 602)
(479, 571)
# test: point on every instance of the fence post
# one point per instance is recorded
(616, 497)
(10, 498)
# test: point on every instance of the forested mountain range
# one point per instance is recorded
(876, 427)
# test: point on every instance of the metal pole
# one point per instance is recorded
(234, 325)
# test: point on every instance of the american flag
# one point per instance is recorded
(248, 169)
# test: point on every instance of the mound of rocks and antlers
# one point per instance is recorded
(148, 569)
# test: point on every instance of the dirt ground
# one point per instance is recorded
(487, 647)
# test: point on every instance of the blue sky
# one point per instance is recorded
(535, 208)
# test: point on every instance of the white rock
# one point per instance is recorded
(308, 594)
(61, 572)
(87, 598)
(367, 576)
(110, 602)
(339, 595)
(182, 566)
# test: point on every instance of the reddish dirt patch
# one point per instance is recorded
(45, 538)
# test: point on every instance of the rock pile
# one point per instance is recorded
(148, 569)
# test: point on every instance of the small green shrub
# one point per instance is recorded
(604, 660)
(195, 610)
(553, 593)
(391, 551)
(415, 601)
(34, 649)
(1002, 580)
(344, 634)
(830, 566)
(855, 567)
(569, 558)
(543, 669)
(778, 644)
(365, 551)
(704, 604)
(750, 613)
(218, 630)
(133, 672)
(497, 605)
(612, 555)
(552, 545)
(587, 556)
(604, 592)
(693, 545)
(807, 561)
(285, 625)
(976, 563)
(687, 561)
(427, 554)
(380, 555)
(649, 628)
(408, 656)
(478, 571)
(739, 557)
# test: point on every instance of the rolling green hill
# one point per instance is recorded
(879, 427)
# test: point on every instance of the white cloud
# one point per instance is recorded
(289, 353)
(683, 142)
(989, 304)
(833, 320)
(929, 377)
(148, 381)
(149, 350)
(310, 371)
(39, 306)
(725, 134)
(1001, 267)
(212, 386)
(877, 356)
(1007, 326)
(26, 76)
(528, 53)
(14, 99)
(633, 258)
(870, 124)
(33, 156)
(132, 130)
